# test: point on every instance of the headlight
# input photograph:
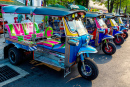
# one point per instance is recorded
(101, 31)
(115, 28)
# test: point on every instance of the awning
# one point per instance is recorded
(92, 15)
(38, 10)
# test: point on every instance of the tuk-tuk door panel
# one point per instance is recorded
(97, 24)
(71, 52)
(97, 33)
(112, 24)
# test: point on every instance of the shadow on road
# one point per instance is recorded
(74, 79)
(118, 47)
(40, 75)
(101, 58)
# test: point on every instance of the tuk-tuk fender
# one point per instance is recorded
(107, 37)
(87, 49)
(123, 29)
(122, 24)
(118, 32)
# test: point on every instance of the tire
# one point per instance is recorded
(111, 50)
(121, 40)
(15, 56)
(125, 35)
(93, 69)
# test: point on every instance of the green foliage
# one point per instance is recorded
(11, 3)
(116, 4)
(60, 2)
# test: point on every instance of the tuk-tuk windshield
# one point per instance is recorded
(91, 21)
(77, 26)
(102, 23)
(120, 20)
(114, 22)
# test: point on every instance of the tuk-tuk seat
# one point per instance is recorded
(22, 31)
(28, 29)
(49, 43)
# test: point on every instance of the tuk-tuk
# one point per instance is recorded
(126, 20)
(26, 39)
(97, 27)
(111, 23)
(122, 27)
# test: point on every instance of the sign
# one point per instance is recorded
(7, 0)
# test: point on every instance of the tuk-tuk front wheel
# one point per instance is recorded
(118, 40)
(91, 69)
(125, 35)
(14, 55)
(109, 48)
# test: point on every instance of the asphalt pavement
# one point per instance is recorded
(114, 71)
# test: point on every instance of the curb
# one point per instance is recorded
(4, 60)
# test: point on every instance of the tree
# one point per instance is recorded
(60, 2)
(83, 2)
(114, 4)
(44, 2)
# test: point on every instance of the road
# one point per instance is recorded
(114, 71)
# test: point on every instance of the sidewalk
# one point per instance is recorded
(2, 45)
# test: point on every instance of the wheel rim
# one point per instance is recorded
(118, 40)
(88, 70)
(108, 49)
(12, 56)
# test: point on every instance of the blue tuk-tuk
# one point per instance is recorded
(25, 39)
(114, 29)
(97, 27)
(122, 27)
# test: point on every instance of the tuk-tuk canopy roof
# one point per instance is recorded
(109, 16)
(116, 15)
(38, 10)
(108, 13)
(92, 14)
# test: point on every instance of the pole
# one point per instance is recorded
(108, 5)
(3, 25)
(31, 5)
(120, 7)
(33, 29)
(30, 2)
(26, 4)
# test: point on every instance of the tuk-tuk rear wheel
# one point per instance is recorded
(91, 69)
(15, 56)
